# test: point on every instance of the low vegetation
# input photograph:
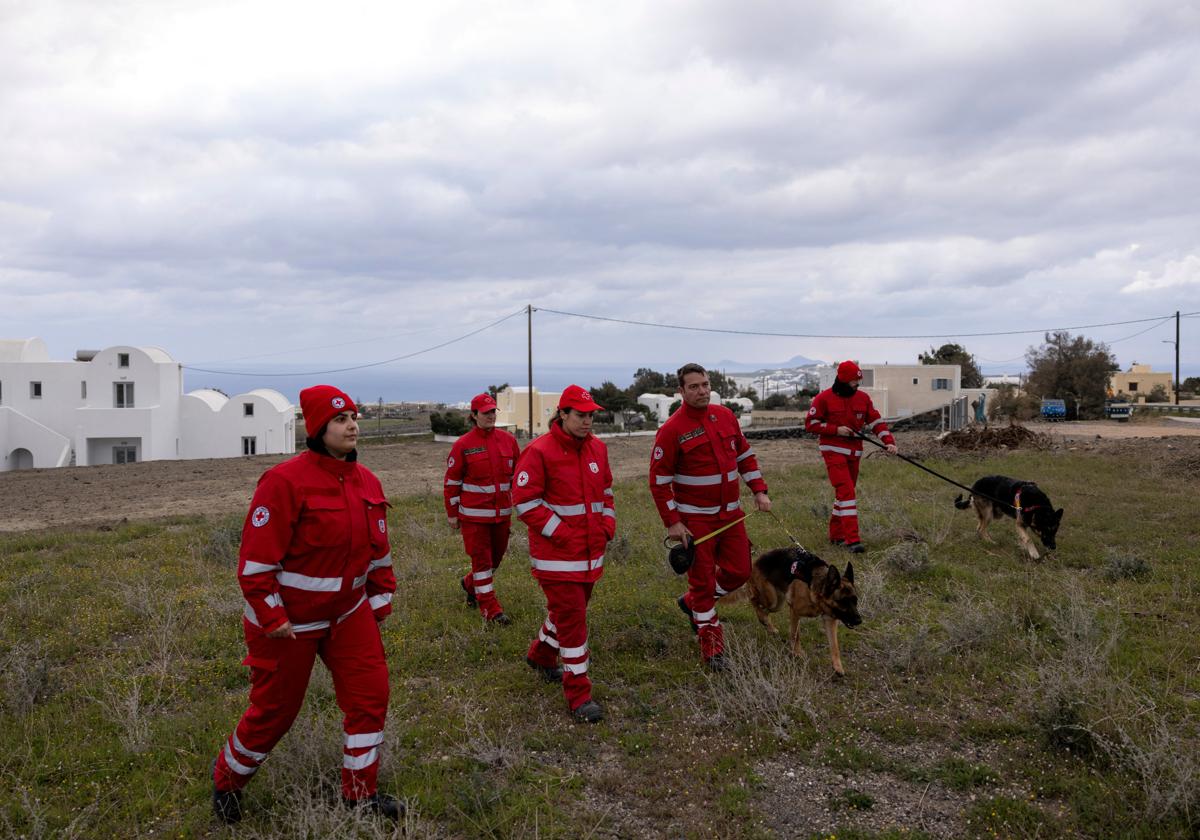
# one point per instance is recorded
(985, 696)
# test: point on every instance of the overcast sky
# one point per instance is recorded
(287, 182)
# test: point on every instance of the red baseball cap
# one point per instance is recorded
(483, 402)
(320, 404)
(848, 372)
(577, 398)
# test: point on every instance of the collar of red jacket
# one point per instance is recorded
(330, 464)
(696, 413)
(566, 438)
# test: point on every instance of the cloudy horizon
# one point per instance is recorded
(278, 183)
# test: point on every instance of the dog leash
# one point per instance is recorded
(779, 522)
(920, 466)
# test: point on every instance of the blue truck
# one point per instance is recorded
(1054, 410)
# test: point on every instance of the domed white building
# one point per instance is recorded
(125, 404)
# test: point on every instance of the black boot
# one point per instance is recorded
(717, 663)
(548, 673)
(227, 804)
(856, 547)
(682, 602)
(381, 804)
(588, 712)
(501, 619)
(471, 602)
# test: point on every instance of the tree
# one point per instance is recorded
(775, 401)
(448, 423)
(721, 384)
(648, 381)
(1191, 385)
(955, 354)
(1158, 394)
(1074, 369)
(748, 393)
(611, 397)
(494, 390)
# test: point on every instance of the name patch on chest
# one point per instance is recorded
(694, 433)
(474, 451)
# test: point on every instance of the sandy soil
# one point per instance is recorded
(106, 495)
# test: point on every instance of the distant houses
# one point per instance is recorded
(125, 404)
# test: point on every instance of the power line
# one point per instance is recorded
(369, 364)
(1159, 319)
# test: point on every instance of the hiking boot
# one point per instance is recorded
(717, 663)
(379, 803)
(682, 602)
(588, 712)
(501, 619)
(856, 547)
(227, 804)
(548, 673)
(471, 602)
(832, 541)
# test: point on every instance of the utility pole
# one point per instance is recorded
(1176, 357)
(529, 359)
(379, 422)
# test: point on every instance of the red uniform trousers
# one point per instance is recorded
(485, 543)
(843, 475)
(720, 565)
(279, 672)
(564, 634)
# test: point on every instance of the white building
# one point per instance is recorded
(660, 406)
(125, 404)
(904, 390)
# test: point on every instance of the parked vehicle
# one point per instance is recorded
(1053, 409)
(1118, 410)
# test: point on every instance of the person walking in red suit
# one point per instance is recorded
(478, 495)
(699, 455)
(837, 415)
(315, 569)
(564, 495)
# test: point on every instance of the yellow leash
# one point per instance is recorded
(712, 534)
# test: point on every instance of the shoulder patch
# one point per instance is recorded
(522, 478)
(260, 517)
(658, 453)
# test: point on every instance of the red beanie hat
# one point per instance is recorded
(320, 404)
(848, 371)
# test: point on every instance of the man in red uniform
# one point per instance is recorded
(837, 416)
(564, 495)
(699, 454)
(315, 569)
(478, 496)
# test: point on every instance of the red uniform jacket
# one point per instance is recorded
(564, 494)
(828, 411)
(479, 475)
(315, 545)
(698, 455)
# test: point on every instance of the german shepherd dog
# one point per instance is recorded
(1024, 501)
(810, 587)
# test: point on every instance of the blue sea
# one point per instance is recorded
(428, 383)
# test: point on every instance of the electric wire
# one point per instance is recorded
(369, 364)
(1157, 318)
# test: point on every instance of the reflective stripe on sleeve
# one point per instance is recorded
(253, 568)
(551, 525)
(380, 600)
(361, 580)
(452, 483)
(663, 479)
(750, 476)
(525, 507)
(746, 454)
(380, 562)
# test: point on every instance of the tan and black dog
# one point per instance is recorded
(1024, 501)
(810, 587)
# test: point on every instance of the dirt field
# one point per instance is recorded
(106, 495)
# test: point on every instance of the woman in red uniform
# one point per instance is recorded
(837, 415)
(478, 495)
(315, 569)
(564, 495)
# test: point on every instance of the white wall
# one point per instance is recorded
(76, 411)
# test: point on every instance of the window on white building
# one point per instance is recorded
(868, 378)
(247, 409)
(124, 454)
(915, 381)
(1133, 387)
(122, 395)
(83, 389)
(249, 446)
(122, 360)
(35, 390)
(941, 384)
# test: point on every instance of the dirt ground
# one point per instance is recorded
(105, 495)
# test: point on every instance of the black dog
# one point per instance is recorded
(997, 495)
